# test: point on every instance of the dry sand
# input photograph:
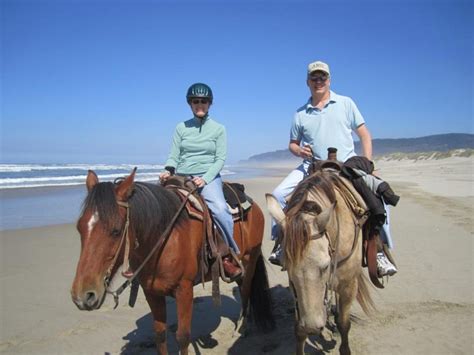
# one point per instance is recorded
(427, 308)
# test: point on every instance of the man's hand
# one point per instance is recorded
(306, 152)
(301, 152)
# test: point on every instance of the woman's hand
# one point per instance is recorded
(199, 181)
(164, 176)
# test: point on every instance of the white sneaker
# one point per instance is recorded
(384, 266)
(275, 257)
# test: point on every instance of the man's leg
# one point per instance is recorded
(384, 266)
(284, 189)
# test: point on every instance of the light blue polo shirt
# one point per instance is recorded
(330, 127)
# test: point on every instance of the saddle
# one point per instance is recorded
(370, 233)
(237, 201)
(214, 248)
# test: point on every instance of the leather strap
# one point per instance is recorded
(372, 260)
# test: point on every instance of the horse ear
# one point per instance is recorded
(323, 218)
(125, 189)
(91, 180)
(275, 209)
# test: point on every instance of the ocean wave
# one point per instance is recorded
(59, 178)
(66, 178)
(14, 183)
(18, 168)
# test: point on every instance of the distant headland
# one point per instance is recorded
(432, 147)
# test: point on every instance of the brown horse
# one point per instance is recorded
(140, 212)
(322, 252)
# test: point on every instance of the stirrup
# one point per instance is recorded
(240, 266)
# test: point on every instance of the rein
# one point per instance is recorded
(335, 261)
(158, 246)
(333, 251)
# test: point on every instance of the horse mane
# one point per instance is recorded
(152, 207)
(296, 231)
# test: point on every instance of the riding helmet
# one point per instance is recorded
(199, 90)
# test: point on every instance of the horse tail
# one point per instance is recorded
(260, 298)
(363, 295)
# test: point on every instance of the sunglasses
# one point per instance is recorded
(201, 101)
(316, 78)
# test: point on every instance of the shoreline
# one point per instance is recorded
(50, 205)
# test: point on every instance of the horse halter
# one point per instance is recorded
(161, 241)
(333, 250)
(333, 253)
(125, 238)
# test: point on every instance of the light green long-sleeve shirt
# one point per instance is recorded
(199, 148)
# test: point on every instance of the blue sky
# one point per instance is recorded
(105, 81)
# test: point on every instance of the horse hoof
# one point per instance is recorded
(240, 329)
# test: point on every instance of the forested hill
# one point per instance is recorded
(434, 143)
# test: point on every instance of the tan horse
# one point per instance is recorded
(141, 214)
(322, 252)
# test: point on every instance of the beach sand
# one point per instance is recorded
(427, 308)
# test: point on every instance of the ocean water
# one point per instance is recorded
(14, 176)
(33, 195)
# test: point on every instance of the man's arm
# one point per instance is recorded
(365, 140)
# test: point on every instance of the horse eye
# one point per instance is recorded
(115, 232)
(323, 270)
(310, 206)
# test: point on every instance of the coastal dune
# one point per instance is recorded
(426, 308)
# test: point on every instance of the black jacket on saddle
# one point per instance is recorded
(372, 198)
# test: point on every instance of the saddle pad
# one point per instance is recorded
(348, 185)
(237, 201)
(193, 206)
(234, 194)
(236, 212)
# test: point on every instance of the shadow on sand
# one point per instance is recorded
(281, 341)
(207, 318)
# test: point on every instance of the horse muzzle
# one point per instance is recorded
(312, 326)
(89, 300)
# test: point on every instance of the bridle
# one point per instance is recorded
(336, 261)
(333, 253)
(159, 245)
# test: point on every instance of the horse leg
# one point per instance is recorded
(300, 341)
(245, 287)
(184, 306)
(158, 309)
(346, 296)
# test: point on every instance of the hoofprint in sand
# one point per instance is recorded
(426, 308)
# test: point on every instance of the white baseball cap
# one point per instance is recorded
(321, 66)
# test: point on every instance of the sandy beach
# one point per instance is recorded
(427, 308)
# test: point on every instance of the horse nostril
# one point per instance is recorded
(91, 298)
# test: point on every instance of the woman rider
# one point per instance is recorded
(199, 149)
